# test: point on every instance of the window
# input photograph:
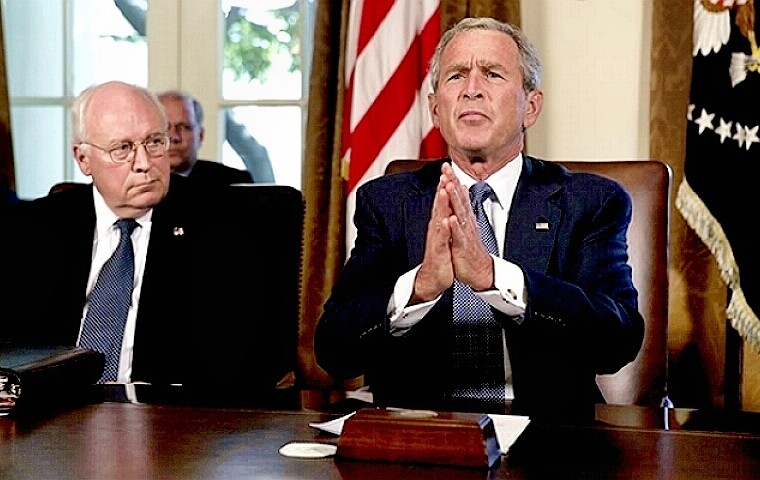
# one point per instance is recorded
(264, 85)
(254, 84)
(52, 50)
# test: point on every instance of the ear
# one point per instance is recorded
(533, 105)
(433, 109)
(83, 160)
(201, 135)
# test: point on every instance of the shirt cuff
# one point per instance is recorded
(401, 316)
(509, 296)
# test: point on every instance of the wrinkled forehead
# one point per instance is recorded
(480, 46)
(123, 116)
(178, 108)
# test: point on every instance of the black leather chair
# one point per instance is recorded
(270, 219)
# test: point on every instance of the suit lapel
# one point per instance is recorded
(534, 217)
(166, 281)
(417, 207)
(168, 250)
(81, 247)
(76, 239)
(534, 220)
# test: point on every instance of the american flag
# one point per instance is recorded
(389, 46)
(718, 195)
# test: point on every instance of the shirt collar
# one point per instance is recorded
(186, 172)
(503, 181)
(105, 218)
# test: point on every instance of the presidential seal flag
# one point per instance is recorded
(385, 111)
(719, 195)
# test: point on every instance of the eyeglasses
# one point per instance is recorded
(155, 146)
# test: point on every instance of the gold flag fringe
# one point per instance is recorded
(699, 218)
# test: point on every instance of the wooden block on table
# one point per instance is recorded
(420, 436)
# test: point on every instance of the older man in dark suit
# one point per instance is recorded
(186, 321)
(511, 296)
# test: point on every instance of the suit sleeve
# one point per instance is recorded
(355, 316)
(587, 299)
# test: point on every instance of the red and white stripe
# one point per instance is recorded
(389, 46)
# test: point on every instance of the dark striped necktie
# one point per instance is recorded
(478, 352)
(109, 301)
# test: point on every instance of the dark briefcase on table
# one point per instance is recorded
(45, 375)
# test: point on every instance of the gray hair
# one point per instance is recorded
(184, 96)
(80, 107)
(530, 65)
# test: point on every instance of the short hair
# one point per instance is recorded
(184, 96)
(530, 65)
(80, 107)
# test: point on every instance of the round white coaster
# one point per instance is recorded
(308, 450)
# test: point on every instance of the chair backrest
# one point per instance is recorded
(269, 220)
(62, 187)
(644, 381)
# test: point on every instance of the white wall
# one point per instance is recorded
(596, 56)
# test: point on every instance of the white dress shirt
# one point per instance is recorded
(105, 241)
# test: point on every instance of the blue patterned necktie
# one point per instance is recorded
(109, 301)
(478, 352)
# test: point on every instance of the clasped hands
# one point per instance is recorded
(453, 248)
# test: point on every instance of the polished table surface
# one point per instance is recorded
(145, 441)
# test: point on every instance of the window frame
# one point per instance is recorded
(180, 26)
(183, 53)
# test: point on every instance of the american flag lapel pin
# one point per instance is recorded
(178, 231)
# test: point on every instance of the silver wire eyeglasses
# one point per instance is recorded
(155, 146)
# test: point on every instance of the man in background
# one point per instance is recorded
(185, 116)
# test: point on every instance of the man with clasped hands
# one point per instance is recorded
(562, 304)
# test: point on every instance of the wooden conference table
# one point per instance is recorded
(168, 441)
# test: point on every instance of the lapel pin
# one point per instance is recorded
(178, 231)
(542, 226)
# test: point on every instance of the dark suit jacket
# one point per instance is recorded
(581, 318)
(208, 173)
(197, 322)
(8, 198)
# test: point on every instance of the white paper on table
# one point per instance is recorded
(332, 426)
(508, 427)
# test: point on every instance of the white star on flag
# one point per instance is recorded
(705, 121)
(724, 130)
(750, 136)
(740, 135)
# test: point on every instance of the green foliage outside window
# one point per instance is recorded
(250, 46)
